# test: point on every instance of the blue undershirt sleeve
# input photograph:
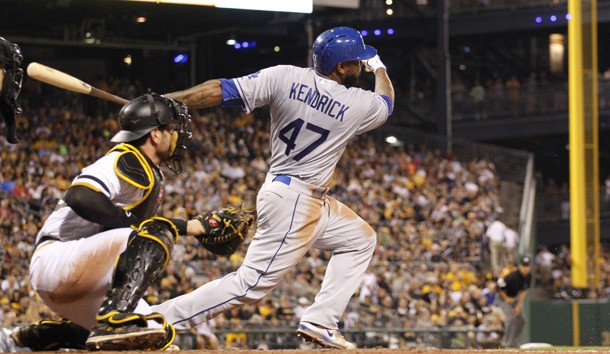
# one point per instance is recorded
(230, 96)
(387, 100)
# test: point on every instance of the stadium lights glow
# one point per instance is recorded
(181, 58)
(391, 140)
(300, 6)
(243, 45)
(378, 32)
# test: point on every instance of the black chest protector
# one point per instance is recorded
(136, 169)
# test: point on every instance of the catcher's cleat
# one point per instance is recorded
(329, 338)
(50, 336)
(130, 331)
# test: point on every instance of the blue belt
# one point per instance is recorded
(282, 178)
(302, 187)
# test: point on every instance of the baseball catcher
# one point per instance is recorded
(104, 244)
(11, 77)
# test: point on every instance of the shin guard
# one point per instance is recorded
(148, 252)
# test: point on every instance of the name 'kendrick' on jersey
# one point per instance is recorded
(311, 97)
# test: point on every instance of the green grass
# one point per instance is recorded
(566, 348)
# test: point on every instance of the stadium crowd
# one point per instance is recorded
(431, 267)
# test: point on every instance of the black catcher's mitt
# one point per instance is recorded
(10, 60)
(226, 229)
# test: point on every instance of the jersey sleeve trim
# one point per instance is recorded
(388, 102)
(246, 105)
(150, 179)
(230, 96)
(93, 178)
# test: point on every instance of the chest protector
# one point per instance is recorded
(136, 169)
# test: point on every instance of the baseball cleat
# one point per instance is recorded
(130, 331)
(329, 338)
(50, 336)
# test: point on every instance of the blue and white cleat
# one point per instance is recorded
(329, 338)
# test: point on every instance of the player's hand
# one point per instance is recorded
(374, 63)
(194, 228)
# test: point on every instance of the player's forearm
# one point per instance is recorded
(383, 84)
(207, 94)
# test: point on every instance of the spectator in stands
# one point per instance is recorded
(513, 94)
(301, 306)
(477, 96)
(205, 337)
(511, 243)
(496, 235)
(545, 260)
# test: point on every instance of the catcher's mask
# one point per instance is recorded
(11, 59)
(145, 113)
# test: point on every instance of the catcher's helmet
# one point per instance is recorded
(145, 113)
(337, 45)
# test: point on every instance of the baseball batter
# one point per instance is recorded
(314, 112)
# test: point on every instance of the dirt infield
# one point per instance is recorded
(380, 350)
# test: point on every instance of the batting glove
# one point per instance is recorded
(374, 63)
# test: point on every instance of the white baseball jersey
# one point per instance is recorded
(312, 118)
(64, 224)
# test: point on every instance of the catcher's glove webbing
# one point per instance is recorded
(10, 58)
(225, 229)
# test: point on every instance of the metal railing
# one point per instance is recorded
(523, 102)
(555, 206)
(511, 164)
(264, 337)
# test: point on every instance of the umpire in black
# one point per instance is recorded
(513, 288)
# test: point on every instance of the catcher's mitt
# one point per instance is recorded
(226, 229)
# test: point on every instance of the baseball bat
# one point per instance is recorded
(68, 82)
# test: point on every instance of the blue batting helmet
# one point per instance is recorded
(337, 45)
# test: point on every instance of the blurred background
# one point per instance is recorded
(503, 135)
